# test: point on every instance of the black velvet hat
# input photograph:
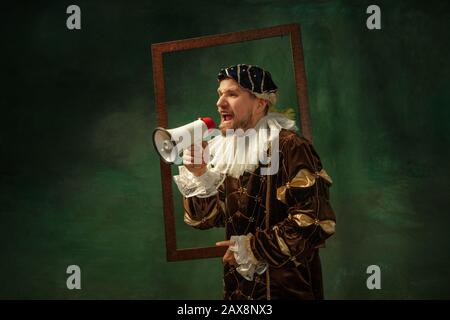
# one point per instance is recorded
(253, 78)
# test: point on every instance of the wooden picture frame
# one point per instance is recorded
(158, 50)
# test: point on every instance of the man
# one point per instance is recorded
(275, 220)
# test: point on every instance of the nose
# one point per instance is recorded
(221, 102)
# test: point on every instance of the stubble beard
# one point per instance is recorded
(242, 124)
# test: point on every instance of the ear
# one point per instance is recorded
(262, 104)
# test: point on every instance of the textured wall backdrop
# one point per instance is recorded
(80, 181)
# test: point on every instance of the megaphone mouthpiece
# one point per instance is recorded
(209, 122)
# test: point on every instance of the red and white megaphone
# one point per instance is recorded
(170, 143)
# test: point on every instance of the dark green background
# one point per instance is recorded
(80, 181)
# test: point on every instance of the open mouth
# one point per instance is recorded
(226, 117)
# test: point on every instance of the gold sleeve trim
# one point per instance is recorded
(248, 247)
(303, 220)
(303, 179)
(281, 243)
(192, 222)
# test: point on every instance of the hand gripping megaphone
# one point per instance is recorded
(170, 143)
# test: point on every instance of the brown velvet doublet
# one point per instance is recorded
(287, 235)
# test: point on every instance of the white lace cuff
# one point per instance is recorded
(202, 186)
(244, 257)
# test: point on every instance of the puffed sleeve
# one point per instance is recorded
(301, 186)
(205, 212)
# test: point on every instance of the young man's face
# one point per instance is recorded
(238, 108)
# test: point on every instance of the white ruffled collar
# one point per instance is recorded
(232, 156)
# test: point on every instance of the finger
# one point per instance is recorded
(197, 160)
(223, 243)
(198, 145)
(188, 152)
(197, 148)
(194, 152)
(206, 154)
(231, 261)
(187, 159)
(228, 257)
(191, 149)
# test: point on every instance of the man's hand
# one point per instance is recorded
(229, 255)
(194, 160)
